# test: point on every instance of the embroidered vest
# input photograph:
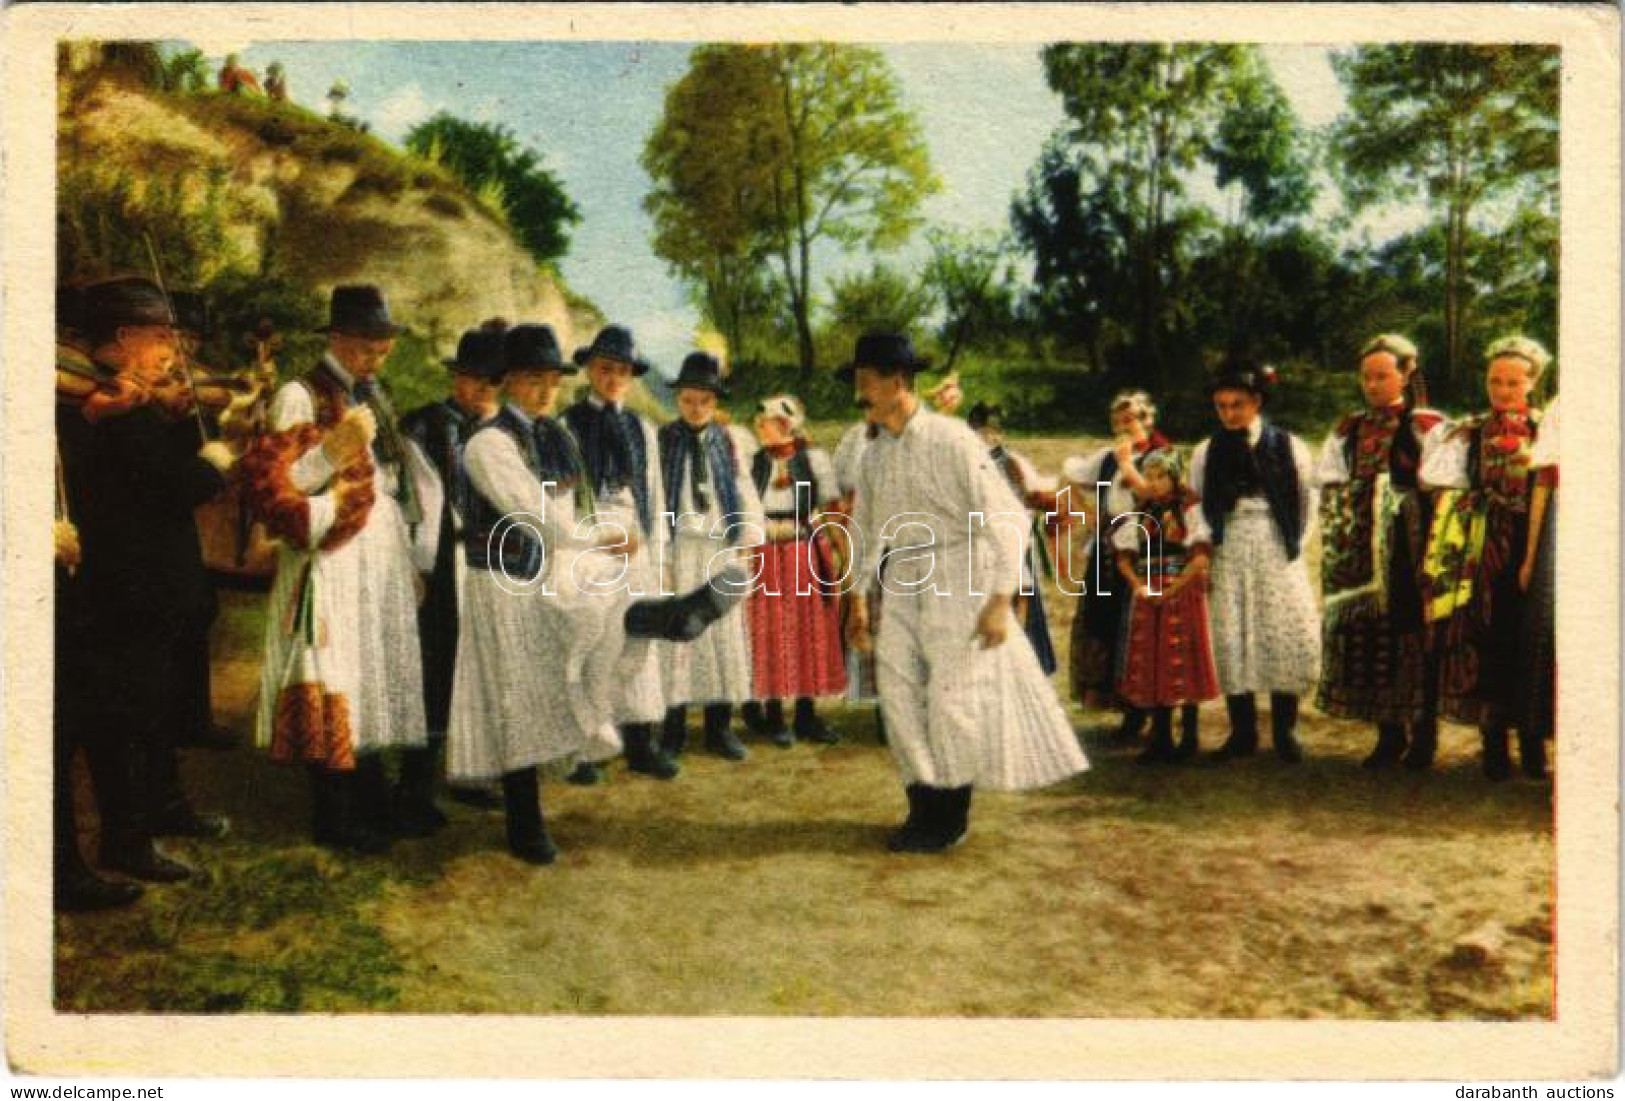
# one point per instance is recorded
(516, 550)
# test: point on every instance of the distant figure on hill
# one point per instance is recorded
(236, 80)
(276, 82)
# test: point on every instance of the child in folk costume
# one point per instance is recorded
(341, 681)
(1097, 628)
(715, 507)
(1257, 488)
(987, 421)
(795, 631)
(965, 704)
(1374, 524)
(545, 639)
(1167, 653)
(623, 465)
(1479, 539)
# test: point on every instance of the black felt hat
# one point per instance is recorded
(129, 300)
(534, 348)
(359, 309)
(614, 342)
(479, 353)
(701, 371)
(886, 352)
(1243, 374)
(984, 414)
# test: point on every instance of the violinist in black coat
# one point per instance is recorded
(133, 480)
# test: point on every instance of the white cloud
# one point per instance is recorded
(401, 111)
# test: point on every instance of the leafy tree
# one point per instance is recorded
(813, 144)
(490, 161)
(186, 72)
(971, 276)
(880, 298)
(1472, 128)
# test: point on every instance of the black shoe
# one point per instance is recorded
(773, 728)
(338, 824)
(918, 833)
(809, 727)
(1283, 727)
(1532, 756)
(186, 822)
(211, 736)
(755, 718)
(1190, 738)
(719, 735)
(414, 812)
(585, 774)
(527, 834)
(1130, 729)
(82, 891)
(1497, 761)
(1243, 740)
(674, 731)
(642, 755)
(1424, 744)
(146, 861)
(481, 798)
(1161, 750)
(1390, 748)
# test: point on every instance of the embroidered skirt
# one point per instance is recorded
(1168, 659)
(795, 629)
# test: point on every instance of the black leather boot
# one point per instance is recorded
(527, 834)
(139, 858)
(1497, 761)
(1190, 738)
(774, 728)
(1132, 726)
(1161, 749)
(1284, 727)
(585, 774)
(1532, 755)
(809, 727)
(684, 618)
(927, 814)
(1424, 745)
(755, 718)
(370, 801)
(955, 816)
(337, 820)
(719, 735)
(1243, 740)
(642, 755)
(1391, 745)
(415, 812)
(75, 887)
(674, 731)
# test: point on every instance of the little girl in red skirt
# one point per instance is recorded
(1167, 654)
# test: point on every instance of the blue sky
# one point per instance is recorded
(587, 107)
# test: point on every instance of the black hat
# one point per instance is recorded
(479, 353)
(701, 371)
(983, 414)
(1243, 374)
(534, 348)
(191, 312)
(359, 310)
(129, 300)
(613, 342)
(885, 352)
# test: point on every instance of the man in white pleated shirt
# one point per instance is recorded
(938, 526)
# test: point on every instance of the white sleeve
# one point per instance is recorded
(656, 482)
(1308, 489)
(868, 535)
(432, 497)
(290, 407)
(1198, 473)
(1083, 470)
(1333, 466)
(984, 488)
(498, 473)
(1546, 439)
(1444, 459)
(1196, 526)
(824, 480)
(848, 454)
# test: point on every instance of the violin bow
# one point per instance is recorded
(186, 360)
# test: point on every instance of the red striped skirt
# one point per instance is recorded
(795, 639)
(1169, 655)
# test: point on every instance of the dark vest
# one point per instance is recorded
(610, 468)
(1235, 470)
(516, 549)
(722, 465)
(801, 471)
